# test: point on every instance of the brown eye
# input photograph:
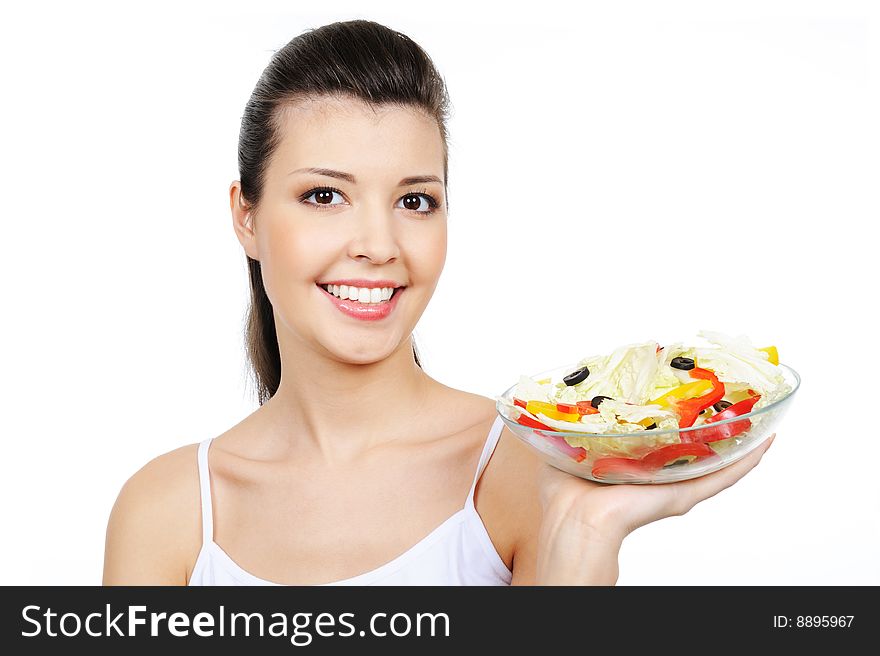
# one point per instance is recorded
(324, 197)
(413, 202)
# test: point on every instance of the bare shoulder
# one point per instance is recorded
(154, 526)
(513, 468)
(512, 503)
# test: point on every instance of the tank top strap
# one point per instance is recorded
(488, 449)
(205, 488)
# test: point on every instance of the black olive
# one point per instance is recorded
(685, 364)
(596, 400)
(576, 377)
(722, 405)
(651, 427)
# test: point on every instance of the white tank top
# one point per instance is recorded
(458, 552)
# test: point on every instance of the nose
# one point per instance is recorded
(374, 235)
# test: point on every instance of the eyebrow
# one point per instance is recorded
(415, 179)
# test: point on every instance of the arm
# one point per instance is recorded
(572, 552)
(149, 526)
(552, 545)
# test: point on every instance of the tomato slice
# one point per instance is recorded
(620, 468)
(567, 408)
(672, 452)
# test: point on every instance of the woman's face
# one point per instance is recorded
(367, 223)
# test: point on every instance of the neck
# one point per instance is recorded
(323, 404)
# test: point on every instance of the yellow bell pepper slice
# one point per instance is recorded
(772, 352)
(682, 393)
(543, 381)
(550, 410)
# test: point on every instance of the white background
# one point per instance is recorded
(619, 172)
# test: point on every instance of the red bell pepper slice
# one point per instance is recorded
(638, 468)
(716, 393)
(568, 408)
(577, 453)
(525, 420)
(586, 408)
(724, 431)
(519, 402)
(672, 452)
(688, 410)
(617, 468)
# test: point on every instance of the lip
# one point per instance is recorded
(363, 282)
(363, 311)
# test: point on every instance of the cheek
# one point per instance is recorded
(430, 254)
(290, 257)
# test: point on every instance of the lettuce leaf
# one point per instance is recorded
(738, 361)
(614, 411)
(529, 389)
(628, 373)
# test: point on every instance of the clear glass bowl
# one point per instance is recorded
(599, 458)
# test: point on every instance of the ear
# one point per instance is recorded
(243, 221)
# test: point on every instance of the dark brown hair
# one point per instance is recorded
(360, 59)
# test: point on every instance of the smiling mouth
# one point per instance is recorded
(384, 295)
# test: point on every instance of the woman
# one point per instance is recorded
(358, 467)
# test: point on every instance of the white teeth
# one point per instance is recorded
(361, 294)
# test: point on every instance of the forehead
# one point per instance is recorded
(350, 135)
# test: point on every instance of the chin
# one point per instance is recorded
(365, 355)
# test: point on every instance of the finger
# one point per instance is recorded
(698, 489)
(729, 475)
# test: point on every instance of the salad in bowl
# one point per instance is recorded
(651, 412)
